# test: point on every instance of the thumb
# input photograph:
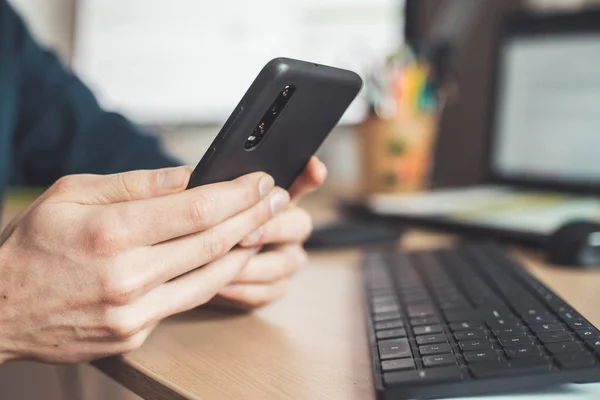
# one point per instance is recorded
(117, 188)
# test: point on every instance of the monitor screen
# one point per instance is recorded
(547, 123)
(190, 61)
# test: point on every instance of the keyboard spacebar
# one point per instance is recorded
(517, 367)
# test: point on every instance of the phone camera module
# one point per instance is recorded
(272, 114)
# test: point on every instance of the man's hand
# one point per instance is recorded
(91, 266)
(265, 278)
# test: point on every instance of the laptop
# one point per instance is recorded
(543, 156)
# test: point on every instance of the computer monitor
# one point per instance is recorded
(190, 61)
(546, 125)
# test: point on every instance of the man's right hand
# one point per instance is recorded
(96, 262)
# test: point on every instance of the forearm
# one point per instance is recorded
(60, 128)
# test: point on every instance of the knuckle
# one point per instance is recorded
(66, 184)
(201, 211)
(132, 184)
(105, 235)
(116, 290)
(120, 327)
(214, 246)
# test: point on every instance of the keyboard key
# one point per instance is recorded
(387, 316)
(396, 323)
(503, 324)
(431, 339)
(575, 360)
(578, 325)
(443, 374)
(430, 375)
(391, 333)
(386, 308)
(523, 311)
(396, 365)
(523, 351)
(423, 330)
(439, 360)
(480, 356)
(465, 326)
(594, 344)
(508, 330)
(570, 315)
(551, 337)
(516, 367)
(380, 299)
(424, 321)
(564, 347)
(416, 311)
(471, 345)
(550, 327)
(540, 318)
(446, 305)
(588, 334)
(434, 349)
(489, 369)
(515, 340)
(470, 335)
(539, 363)
(394, 348)
(461, 316)
(401, 378)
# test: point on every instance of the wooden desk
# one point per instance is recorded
(311, 345)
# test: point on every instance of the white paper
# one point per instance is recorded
(192, 60)
(491, 206)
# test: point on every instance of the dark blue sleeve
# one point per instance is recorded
(61, 129)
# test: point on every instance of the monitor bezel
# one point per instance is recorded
(526, 25)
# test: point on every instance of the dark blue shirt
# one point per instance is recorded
(51, 124)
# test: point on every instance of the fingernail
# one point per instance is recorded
(253, 238)
(323, 168)
(279, 201)
(265, 185)
(172, 178)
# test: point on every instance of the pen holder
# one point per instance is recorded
(397, 153)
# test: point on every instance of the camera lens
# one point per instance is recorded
(261, 128)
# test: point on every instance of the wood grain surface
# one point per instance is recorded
(310, 345)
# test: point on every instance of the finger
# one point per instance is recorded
(160, 219)
(250, 296)
(176, 257)
(116, 188)
(122, 345)
(272, 266)
(292, 225)
(192, 289)
(311, 178)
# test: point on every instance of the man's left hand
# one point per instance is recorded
(266, 277)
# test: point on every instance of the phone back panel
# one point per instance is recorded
(322, 94)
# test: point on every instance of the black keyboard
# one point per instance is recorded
(470, 320)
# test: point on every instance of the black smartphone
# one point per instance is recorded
(281, 121)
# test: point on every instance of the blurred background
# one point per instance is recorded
(180, 66)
